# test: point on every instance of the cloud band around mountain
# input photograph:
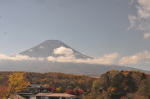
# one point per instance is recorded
(138, 58)
(67, 55)
(19, 57)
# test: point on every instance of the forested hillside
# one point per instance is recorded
(121, 85)
(11, 82)
(53, 79)
(110, 85)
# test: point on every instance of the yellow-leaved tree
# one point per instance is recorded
(16, 83)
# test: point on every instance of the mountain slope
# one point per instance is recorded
(46, 49)
(69, 68)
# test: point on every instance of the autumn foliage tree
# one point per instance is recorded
(59, 90)
(116, 84)
(3, 90)
(16, 83)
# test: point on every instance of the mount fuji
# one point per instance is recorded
(47, 48)
(55, 50)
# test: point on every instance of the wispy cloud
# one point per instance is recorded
(132, 20)
(141, 21)
(131, 2)
(16, 57)
(67, 55)
(19, 57)
(138, 58)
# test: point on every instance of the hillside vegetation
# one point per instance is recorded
(57, 82)
(113, 84)
(121, 85)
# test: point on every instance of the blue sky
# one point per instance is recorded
(94, 27)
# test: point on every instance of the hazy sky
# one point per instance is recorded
(94, 27)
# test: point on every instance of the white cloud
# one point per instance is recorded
(16, 57)
(63, 50)
(19, 57)
(143, 9)
(130, 60)
(142, 20)
(102, 60)
(40, 59)
(66, 56)
(138, 58)
(70, 57)
(105, 59)
(62, 59)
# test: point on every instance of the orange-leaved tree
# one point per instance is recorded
(16, 83)
(3, 89)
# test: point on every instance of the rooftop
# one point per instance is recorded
(56, 95)
(37, 86)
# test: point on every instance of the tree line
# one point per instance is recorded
(12, 82)
(113, 84)
(121, 85)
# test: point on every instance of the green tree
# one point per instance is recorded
(96, 84)
(128, 84)
(144, 88)
(116, 90)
